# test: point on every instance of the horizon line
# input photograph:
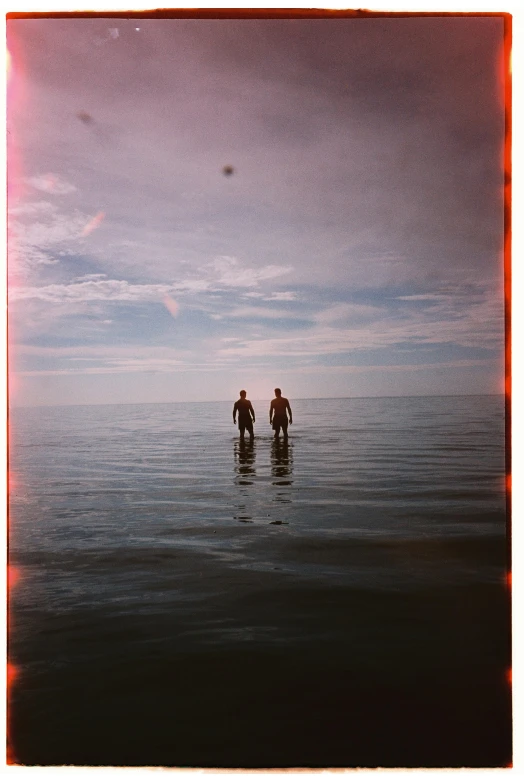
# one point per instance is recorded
(223, 401)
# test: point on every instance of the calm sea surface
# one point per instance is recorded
(181, 599)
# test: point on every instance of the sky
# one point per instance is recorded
(354, 246)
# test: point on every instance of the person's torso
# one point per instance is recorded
(280, 405)
(243, 407)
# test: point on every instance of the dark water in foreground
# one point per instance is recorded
(181, 600)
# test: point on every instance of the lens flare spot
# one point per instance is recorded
(93, 224)
(49, 185)
(171, 305)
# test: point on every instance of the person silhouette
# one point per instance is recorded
(246, 415)
(278, 414)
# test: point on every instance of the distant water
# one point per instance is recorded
(181, 599)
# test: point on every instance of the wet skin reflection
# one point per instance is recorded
(245, 472)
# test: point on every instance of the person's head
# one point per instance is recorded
(243, 394)
(278, 392)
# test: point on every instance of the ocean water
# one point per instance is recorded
(181, 599)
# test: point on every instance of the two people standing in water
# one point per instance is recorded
(278, 414)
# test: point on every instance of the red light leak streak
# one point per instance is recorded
(13, 575)
(12, 671)
(9, 757)
(11, 675)
(14, 381)
(505, 70)
(16, 110)
(16, 100)
(93, 224)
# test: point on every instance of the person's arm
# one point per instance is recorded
(290, 413)
(235, 412)
(252, 411)
(271, 410)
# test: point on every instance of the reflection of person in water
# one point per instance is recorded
(245, 475)
(281, 462)
(246, 415)
(244, 454)
(278, 414)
